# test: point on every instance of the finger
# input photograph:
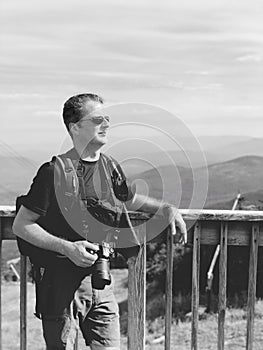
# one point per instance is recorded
(91, 246)
(91, 256)
(95, 257)
(183, 230)
(182, 239)
(185, 234)
(185, 238)
(86, 264)
(172, 228)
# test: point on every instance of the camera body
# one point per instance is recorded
(101, 268)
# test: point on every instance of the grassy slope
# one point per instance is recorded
(235, 328)
(181, 332)
(235, 332)
(251, 200)
(10, 319)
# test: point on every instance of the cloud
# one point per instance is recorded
(243, 108)
(204, 72)
(251, 58)
(209, 87)
(46, 113)
(19, 95)
(182, 56)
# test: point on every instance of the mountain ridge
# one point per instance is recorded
(224, 180)
(166, 182)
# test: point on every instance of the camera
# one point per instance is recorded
(101, 268)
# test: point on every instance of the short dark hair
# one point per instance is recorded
(74, 105)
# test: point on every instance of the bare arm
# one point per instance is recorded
(25, 226)
(151, 205)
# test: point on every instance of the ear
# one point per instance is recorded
(73, 128)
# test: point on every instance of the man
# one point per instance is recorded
(66, 291)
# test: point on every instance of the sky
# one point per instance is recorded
(200, 62)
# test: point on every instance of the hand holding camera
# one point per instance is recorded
(87, 254)
(82, 253)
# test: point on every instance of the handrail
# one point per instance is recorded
(188, 214)
(206, 227)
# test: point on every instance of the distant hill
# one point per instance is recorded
(15, 177)
(212, 142)
(170, 182)
(225, 180)
(243, 174)
(139, 156)
(253, 146)
(206, 149)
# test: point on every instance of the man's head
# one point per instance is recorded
(76, 106)
(85, 120)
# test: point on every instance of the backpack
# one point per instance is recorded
(72, 183)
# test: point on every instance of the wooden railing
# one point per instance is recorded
(206, 227)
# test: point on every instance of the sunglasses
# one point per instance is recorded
(97, 120)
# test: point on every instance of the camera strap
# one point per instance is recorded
(107, 172)
(119, 181)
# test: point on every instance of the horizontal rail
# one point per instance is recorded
(239, 232)
(188, 214)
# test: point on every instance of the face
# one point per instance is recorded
(93, 127)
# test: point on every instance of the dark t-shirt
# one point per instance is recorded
(42, 198)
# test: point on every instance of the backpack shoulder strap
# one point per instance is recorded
(67, 175)
(109, 166)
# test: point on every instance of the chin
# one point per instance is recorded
(101, 140)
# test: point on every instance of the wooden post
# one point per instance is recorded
(252, 284)
(195, 285)
(137, 296)
(1, 282)
(23, 303)
(168, 289)
(222, 285)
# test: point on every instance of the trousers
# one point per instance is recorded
(68, 303)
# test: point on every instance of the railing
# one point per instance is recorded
(207, 227)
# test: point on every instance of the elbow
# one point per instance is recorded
(15, 227)
(136, 203)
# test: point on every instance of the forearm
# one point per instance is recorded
(170, 212)
(36, 235)
(147, 204)
(82, 253)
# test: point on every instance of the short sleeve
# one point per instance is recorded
(41, 192)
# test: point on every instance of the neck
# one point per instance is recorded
(89, 153)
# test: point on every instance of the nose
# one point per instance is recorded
(105, 124)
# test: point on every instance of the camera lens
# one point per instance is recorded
(101, 274)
